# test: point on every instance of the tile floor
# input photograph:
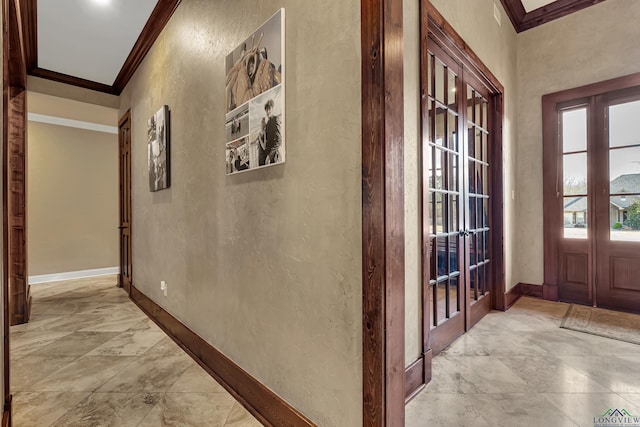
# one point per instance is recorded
(90, 357)
(520, 369)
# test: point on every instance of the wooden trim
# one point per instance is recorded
(15, 57)
(266, 406)
(551, 100)
(152, 29)
(428, 371)
(550, 183)
(425, 135)
(16, 176)
(530, 290)
(515, 11)
(5, 212)
(30, 33)
(512, 296)
(450, 40)
(497, 202)
(523, 21)
(414, 379)
(70, 80)
(7, 412)
(550, 292)
(382, 213)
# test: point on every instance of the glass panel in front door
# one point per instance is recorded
(624, 171)
(574, 172)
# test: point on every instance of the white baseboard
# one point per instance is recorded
(46, 278)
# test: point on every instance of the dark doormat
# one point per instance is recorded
(605, 323)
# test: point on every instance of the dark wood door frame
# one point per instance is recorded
(15, 173)
(383, 388)
(13, 184)
(124, 172)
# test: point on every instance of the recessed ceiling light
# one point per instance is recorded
(102, 2)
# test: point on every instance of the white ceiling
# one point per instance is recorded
(90, 39)
(530, 5)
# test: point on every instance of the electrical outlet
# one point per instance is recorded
(163, 287)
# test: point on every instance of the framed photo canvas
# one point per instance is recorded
(158, 149)
(254, 96)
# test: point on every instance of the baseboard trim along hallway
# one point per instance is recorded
(264, 404)
(71, 275)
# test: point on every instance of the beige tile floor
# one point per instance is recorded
(90, 357)
(519, 368)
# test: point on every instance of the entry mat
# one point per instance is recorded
(605, 323)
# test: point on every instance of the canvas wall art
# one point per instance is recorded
(158, 149)
(254, 97)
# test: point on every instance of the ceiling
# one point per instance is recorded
(530, 5)
(89, 39)
(98, 44)
(527, 14)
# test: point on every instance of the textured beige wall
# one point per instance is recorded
(61, 90)
(72, 197)
(265, 265)
(496, 47)
(69, 109)
(595, 44)
(413, 240)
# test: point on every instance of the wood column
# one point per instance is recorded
(382, 213)
(19, 295)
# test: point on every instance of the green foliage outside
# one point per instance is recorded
(617, 226)
(633, 216)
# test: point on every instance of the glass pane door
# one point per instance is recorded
(574, 169)
(624, 171)
(443, 202)
(477, 224)
(444, 196)
(618, 234)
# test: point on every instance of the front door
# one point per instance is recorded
(124, 140)
(618, 204)
(457, 196)
(592, 194)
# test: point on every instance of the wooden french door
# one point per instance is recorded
(124, 142)
(456, 200)
(617, 204)
(444, 202)
(592, 194)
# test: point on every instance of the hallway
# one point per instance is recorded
(90, 357)
(519, 368)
